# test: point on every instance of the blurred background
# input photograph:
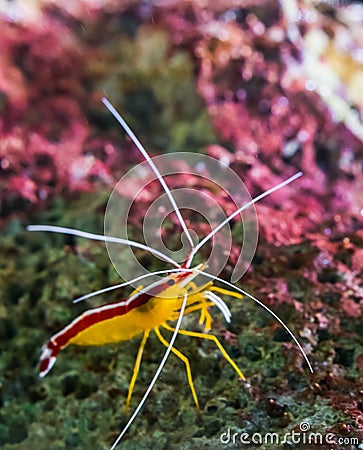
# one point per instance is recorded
(268, 88)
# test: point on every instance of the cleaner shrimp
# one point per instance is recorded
(151, 308)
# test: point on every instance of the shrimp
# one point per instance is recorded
(151, 308)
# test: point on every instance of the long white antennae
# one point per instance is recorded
(208, 275)
(247, 205)
(144, 153)
(101, 237)
(117, 286)
(157, 373)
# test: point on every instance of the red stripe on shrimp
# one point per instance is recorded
(96, 315)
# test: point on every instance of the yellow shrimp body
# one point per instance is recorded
(122, 325)
(145, 310)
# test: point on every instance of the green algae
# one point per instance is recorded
(153, 82)
(80, 404)
(81, 401)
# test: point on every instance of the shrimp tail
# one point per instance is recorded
(48, 357)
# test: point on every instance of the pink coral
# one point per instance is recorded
(44, 131)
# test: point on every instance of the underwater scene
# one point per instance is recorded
(181, 218)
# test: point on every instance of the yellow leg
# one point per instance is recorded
(185, 361)
(204, 314)
(136, 368)
(202, 318)
(213, 338)
(208, 320)
(225, 292)
(194, 308)
(202, 305)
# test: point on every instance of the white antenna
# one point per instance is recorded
(101, 237)
(127, 283)
(142, 150)
(208, 275)
(247, 205)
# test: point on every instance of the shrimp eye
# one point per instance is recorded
(171, 282)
